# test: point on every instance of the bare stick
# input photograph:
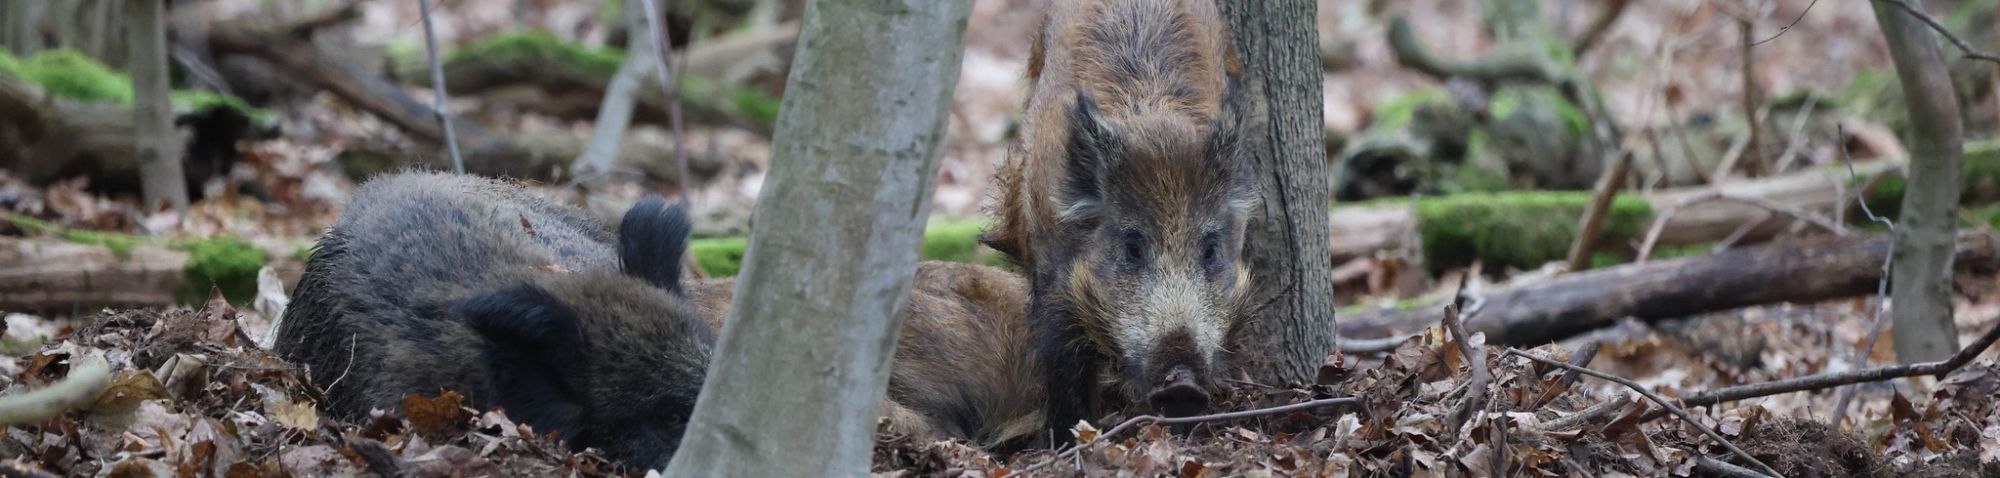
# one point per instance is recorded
(1593, 219)
(81, 386)
(1660, 223)
(1588, 415)
(1581, 358)
(1829, 380)
(1155, 419)
(1881, 286)
(1475, 359)
(1755, 149)
(1372, 346)
(1677, 411)
(1598, 26)
(1788, 26)
(672, 85)
(1926, 18)
(437, 85)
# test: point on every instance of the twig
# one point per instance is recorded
(1592, 223)
(672, 87)
(1597, 27)
(1475, 359)
(1373, 346)
(1581, 358)
(1588, 415)
(1881, 286)
(1828, 380)
(1677, 411)
(1660, 223)
(81, 386)
(1073, 450)
(437, 85)
(1788, 26)
(1939, 27)
(1712, 467)
(1792, 144)
(1755, 149)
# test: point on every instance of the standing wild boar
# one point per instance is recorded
(1125, 199)
(435, 281)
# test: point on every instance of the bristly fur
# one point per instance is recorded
(433, 281)
(1125, 198)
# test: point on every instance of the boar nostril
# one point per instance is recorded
(1179, 396)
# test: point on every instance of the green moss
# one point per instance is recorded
(225, 262)
(302, 253)
(760, 107)
(8, 63)
(952, 240)
(119, 244)
(1517, 229)
(531, 44)
(72, 74)
(1396, 113)
(1981, 179)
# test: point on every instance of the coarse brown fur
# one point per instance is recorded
(962, 367)
(1125, 199)
(436, 281)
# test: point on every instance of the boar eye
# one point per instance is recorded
(1211, 251)
(1134, 247)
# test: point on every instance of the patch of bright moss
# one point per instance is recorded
(119, 244)
(525, 44)
(720, 256)
(1516, 229)
(227, 262)
(951, 240)
(8, 63)
(760, 107)
(72, 74)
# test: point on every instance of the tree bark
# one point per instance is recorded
(159, 148)
(1280, 87)
(803, 361)
(1801, 271)
(1923, 328)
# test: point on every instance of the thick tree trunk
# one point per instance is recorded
(1801, 271)
(1922, 278)
(1278, 44)
(803, 362)
(153, 112)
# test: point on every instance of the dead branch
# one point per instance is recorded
(1660, 224)
(439, 96)
(1158, 420)
(1588, 415)
(1581, 358)
(1599, 25)
(1593, 219)
(1475, 359)
(1802, 270)
(1498, 67)
(81, 387)
(1677, 411)
(1829, 380)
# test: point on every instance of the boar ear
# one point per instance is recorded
(1224, 146)
(1091, 144)
(651, 240)
(534, 355)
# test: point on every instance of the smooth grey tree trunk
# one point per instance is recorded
(1921, 296)
(1287, 247)
(803, 362)
(614, 115)
(159, 146)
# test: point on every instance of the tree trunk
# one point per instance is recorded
(1922, 277)
(615, 113)
(803, 362)
(1278, 44)
(159, 148)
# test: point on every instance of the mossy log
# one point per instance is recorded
(1528, 229)
(63, 115)
(72, 271)
(571, 79)
(1794, 271)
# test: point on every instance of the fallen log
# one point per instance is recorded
(75, 272)
(1365, 229)
(1792, 271)
(489, 152)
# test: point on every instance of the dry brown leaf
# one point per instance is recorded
(443, 414)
